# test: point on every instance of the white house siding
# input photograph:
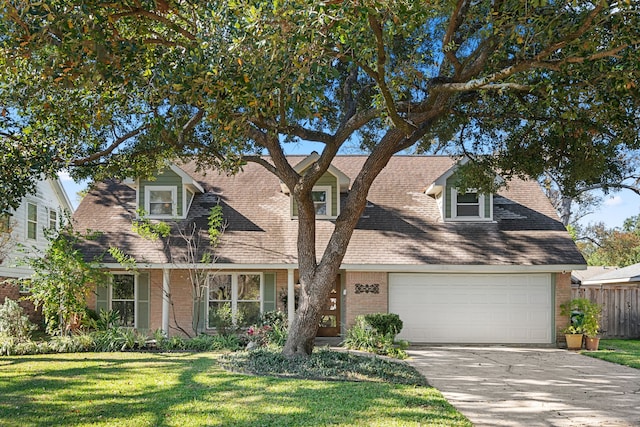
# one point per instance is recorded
(45, 198)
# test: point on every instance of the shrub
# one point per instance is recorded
(322, 364)
(385, 323)
(106, 319)
(363, 336)
(271, 332)
(118, 339)
(222, 319)
(13, 322)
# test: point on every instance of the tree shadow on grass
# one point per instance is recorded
(136, 389)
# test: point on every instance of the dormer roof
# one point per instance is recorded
(343, 180)
(187, 180)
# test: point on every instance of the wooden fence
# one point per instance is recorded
(620, 308)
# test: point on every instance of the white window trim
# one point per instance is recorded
(186, 202)
(28, 221)
(481, 207)
(135, 293)
(57, 220)
(234, 292)
(147, 199)
(327, 190)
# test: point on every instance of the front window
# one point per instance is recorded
(468, 204)
(123, 299)
(320, 202)
(249, 298)
(236, 294)
(161, 201)
(32, 221)
(321, 196)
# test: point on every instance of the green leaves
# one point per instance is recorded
(62, 279)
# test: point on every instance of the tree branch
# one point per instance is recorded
(110, 148)
(379, 77)
(454, 23)
(138, 11)
(193, 121)
(575, 35)
(262, 162)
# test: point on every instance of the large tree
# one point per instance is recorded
(618, 246)
(114, 88)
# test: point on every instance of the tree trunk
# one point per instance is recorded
(565, 209)
(313, 297)
(317, 280)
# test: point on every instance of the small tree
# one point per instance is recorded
(185, 243)
(62, 279)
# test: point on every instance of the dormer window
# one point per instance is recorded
(470, 206)
(322, 200)
(161, 201)
(467, 204)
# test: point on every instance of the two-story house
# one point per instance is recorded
(457, 266)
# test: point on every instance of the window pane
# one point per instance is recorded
(53, 218)
(32, 212)
(126, 312)
(123, 287)
(160, 196)
(161, 208)
(248, 313)
(248, 287)
(161, 202)
(328, 321)
(32, 229)
(468, 198)
(220, 287)
(219, 314)
(319, 196)
(320, 202)
(32, 221)
(468, 210)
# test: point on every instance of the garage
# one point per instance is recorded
(473, 308)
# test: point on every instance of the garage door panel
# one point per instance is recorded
(465, 308)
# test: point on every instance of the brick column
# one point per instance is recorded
(563, 294)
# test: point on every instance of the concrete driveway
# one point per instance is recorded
(507, 386)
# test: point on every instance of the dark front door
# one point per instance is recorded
(330, 319)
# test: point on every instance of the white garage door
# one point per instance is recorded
(473, 308)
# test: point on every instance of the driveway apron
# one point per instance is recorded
(507, 386)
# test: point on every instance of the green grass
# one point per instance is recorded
(179, 389)
(622, 352)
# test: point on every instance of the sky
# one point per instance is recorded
(615, 208)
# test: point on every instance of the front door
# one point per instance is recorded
(330, 319)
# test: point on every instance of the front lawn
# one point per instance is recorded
(623, 352)
(190, 389)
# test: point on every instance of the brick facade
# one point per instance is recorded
(11, 290)
(363, 293)
(563, 294)
(364, 299)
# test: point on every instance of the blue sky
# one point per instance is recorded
(614, 210)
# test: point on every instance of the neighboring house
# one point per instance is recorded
(617, 290)
(579, 276)
(38, 211)
(456, 266)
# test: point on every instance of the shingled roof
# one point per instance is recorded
(401, 225)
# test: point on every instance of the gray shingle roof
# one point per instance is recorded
(402, 225)
(630, 273)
